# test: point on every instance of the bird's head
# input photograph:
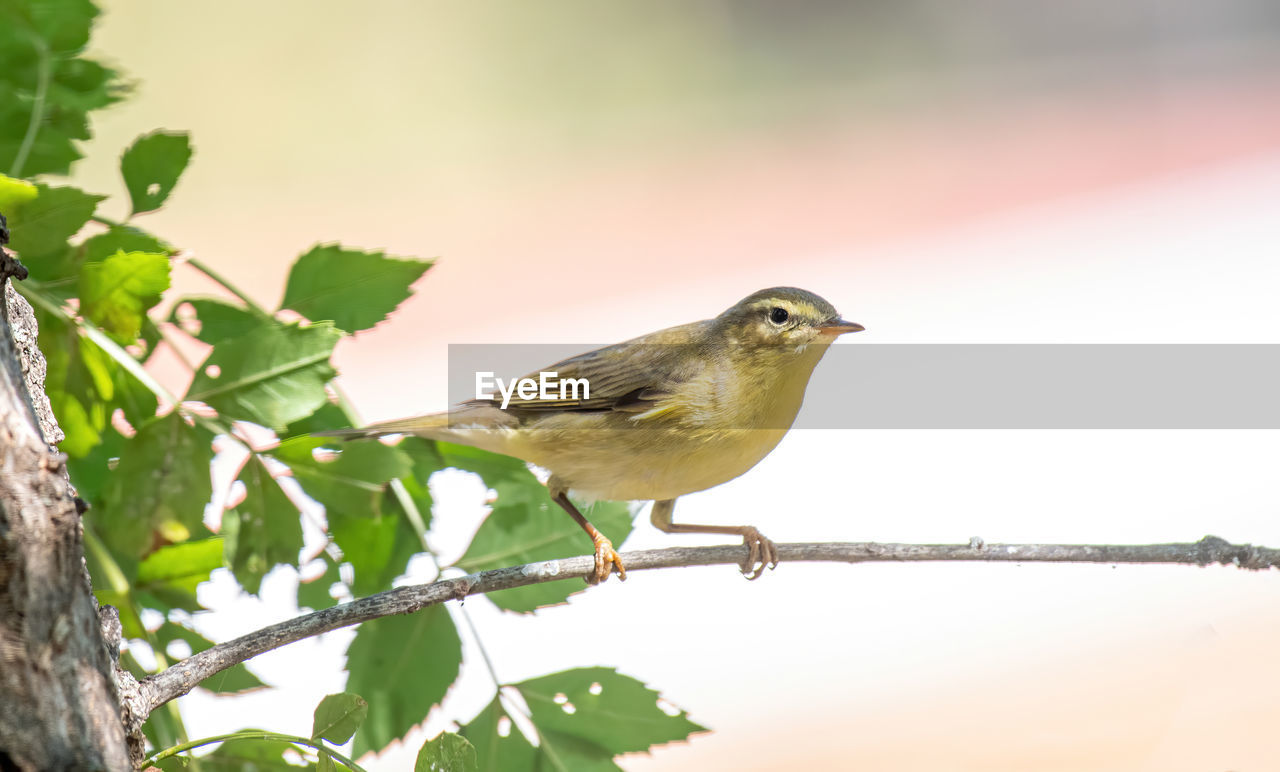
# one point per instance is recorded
(783, 316)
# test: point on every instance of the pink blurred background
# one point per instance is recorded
(983, 172)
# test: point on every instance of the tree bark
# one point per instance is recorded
(59, 708)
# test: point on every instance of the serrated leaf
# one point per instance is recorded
(520, 530)
(402, 665)
(613, 711)
(494, 751)
(271, 375)
(352, 481)
(373, 537)
(446, 752)
(353, 289)
(526, 526)
(162, 484)
(152, 165)
(327, 416)
(263, 530)
(338, 716)
(123, 238)
(40, 227)
(218, 319)
(41, 40)
(378, 549)
(316, 594)
(234, 680)
(174, 572)
(117, 292)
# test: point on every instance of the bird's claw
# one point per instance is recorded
(761, 553)
(607, 561)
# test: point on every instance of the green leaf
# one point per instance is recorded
(41, 40)
(353, 289)
(173, 573)
(402, 665)
(353, 488)
(447, 752)
(378, 549)
(338, 716)
(525, 526)
(123, 238)
(40, 227)
(73, 389)
(234, 680)
(151, 167)
(263, 530)
(496, 751)
(15, 194)
(352, 481)
(521, 531)
(250, 755)
(116, 293)
(615, 712)
(316, 594)
(271, 375)
(327, 416)
(218, 320)
(162, 484)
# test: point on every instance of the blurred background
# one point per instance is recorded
(989, 171)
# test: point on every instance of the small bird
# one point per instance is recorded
(669, 413)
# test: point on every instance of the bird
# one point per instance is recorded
(662, 415)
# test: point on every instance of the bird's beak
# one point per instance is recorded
(838, 326)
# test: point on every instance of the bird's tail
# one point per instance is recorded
(423, 425)
(458, 425)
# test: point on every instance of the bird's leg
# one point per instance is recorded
(761, 552)
(607, 560)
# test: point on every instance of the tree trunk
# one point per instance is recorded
(59, 709)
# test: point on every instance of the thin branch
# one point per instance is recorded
(185, 675)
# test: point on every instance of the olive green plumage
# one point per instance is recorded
(669, 413)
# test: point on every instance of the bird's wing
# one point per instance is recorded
(632, 377)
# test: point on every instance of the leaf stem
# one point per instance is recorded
(113, 349)
(249, 302)
(252, 735)
(44, 72)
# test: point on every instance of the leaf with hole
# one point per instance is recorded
(152, 165)
(272, 375)
(215, 320)
(262, 531)
(601, 706)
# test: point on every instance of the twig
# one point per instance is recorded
(185, 675)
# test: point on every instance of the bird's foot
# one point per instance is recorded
(761, 553)
(607, 561)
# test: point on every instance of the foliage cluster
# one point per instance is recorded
(141, 456)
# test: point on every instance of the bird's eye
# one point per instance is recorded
(778, 315)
